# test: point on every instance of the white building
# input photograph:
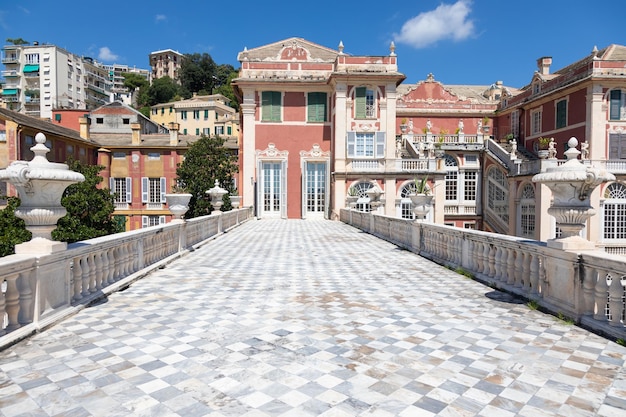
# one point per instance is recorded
(40, 78)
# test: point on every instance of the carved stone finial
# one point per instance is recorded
(430, 78)
(340, 48)
(392, 49)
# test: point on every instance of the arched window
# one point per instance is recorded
(614, 212)
(526, 212)
(498, 194)
(363, 203)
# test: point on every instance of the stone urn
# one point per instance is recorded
(40, 185)
(421, 205)
(216, 194)
(178, 204)
(571, 184)
(235, 201)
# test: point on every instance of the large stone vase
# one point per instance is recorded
(178, 204)
(421, 205)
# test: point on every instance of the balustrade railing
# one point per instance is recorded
(588, 287)
(37, 291)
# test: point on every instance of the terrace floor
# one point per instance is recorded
(311, 318)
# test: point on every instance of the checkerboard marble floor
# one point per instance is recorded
(311, 318)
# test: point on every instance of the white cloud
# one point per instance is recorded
(160, 18)
(107, 55)
(445, 22)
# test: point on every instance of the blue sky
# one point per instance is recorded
(459, 41)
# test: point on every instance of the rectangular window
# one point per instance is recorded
(185, 131)
(617, 105)
(535, 126)
(368, 145)
(147, 221)
(153, 190)
(561, 114)
(154, 156)
(364, 103)
(122, 188)
(162, 111)
(219, 130)
(316, 107)
(126, 121)
(206, 131)
(229, 130)
(206, 115)
(171, 109)
(197, 131)
(470, 185)
(617, 146)
(451, 185)
(119, 155)
(183, 114)
(270, 106)
(196, 115)
(99, 120)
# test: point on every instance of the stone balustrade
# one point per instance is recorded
(586, 286)
(38, 291)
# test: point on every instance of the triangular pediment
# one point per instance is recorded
(291, 49)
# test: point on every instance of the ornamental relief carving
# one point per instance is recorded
(272, 152)
(315, 152)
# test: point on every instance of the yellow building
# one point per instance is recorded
(209, 115)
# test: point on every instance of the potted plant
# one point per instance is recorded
(353, 196)
(421, 200)
(178, 200)
(403, 125)
(486, 124)
(543, 143)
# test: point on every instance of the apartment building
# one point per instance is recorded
(116, 79)
(200, 115)
(41, 77)
(166, 62)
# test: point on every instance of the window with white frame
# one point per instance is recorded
(406, 209)
(535, 122)
(617, 105)
(498, 194)
(121, 189)
(470, 184)
(614, 212)
(219, 130)
(515, 123)
(526, 224)
(452, 177)
(147, 221)
(153, 190)
(366, 145)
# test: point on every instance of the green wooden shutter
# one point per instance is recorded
(317, 107)
(359, 103)
(270, 106)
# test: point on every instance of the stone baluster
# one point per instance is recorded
(518, 270)
(589, 284)
(616, 292)
(100, 282)
(510, 264)
(27, 303)
(2, 309)
(491, 261)
(77, 271)
(498, 263)
(12, 301)
(525, 272)
(109, 266)
(84, 262)
(601, 293)
(92, 273)
(534, 275)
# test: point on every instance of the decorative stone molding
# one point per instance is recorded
(40, 185)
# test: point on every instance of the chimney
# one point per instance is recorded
(84, 127)
(543, 64)
(174, 127)
(136, 135)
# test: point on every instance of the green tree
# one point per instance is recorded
(89, 208)
(13, 228)
(197, 73)
(162, 90)
(17, 41)
(226, 74)
(205, 161)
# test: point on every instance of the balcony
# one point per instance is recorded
(10, 73)
(11, 59)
